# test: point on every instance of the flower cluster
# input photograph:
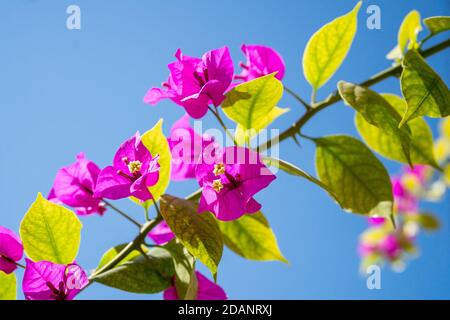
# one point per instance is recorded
(381, 242)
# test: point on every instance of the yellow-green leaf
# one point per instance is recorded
(155, 141)
(355, 175)
(253, 105)
(50, 232)
(328, 47)
(379, 113)
(8, 286)
(437, 24)
(199, 233)
(410, 27)
(251, 237)
(421, 137)
(425, 92)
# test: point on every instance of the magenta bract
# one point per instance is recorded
(196, 83)
(11, 250)
(230, 182)
(161, 234)
(74, 186)
(45, 280)
(133, 171)
(207, 290)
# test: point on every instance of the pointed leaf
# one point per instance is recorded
(424, 91)
(8, 286)
(251, 237)
(50, 232)
(151, 273)
(355, 175)
(113, 252)
(408, 31)
(437, 24)
(378, 140)
(377, 112)
(199, 233)
(252, 104)
(328, 47)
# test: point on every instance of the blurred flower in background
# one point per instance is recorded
(381, 243)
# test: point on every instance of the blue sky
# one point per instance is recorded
(64, 91)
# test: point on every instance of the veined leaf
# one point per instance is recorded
(328, 47)
(252, 105)
(296, 171)
(8, 286)
(379, 113)
(50, 232)
(437, 24)
(355, 175)
(199, 233)
(410, 27)
(251, 237)
(421, 137)
(425, 92)
(186, 282)
(155, 141)
(151, 273)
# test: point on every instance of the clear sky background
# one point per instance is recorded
(62, 92)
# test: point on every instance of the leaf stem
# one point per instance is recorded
(298, 98)
(335, 97)
(18, 264)
(222, 124)
(123, 214)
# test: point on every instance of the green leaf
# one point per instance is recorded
(424, 91)
(410, 27)
(427, 221)
(296, 171)
(155, 141)
(328, 47)
(50, 232)
(437, 24)
(379, 113)
(252, 105)
(151, 273)
(378, 140)
(8, 286)
(251, 237)
(199, 233)
(113, 252)
(355, 175)
(185, 281)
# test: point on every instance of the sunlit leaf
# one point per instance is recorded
(199, 233)
(355, 175)
(425, 92)
(421, 137)
(113, 252)
(253, 105)
(251, 237)
(379, 113)
(8, 286)
(328, 47)
(410, 27)
(151, 273)
(50, 232)
(437, 24)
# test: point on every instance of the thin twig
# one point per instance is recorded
(123, 214)
(222, 124)
(297, 97)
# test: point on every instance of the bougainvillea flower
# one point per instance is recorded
(161, 234)
(11, 250)
(74, 186)
(187, 149)
(230, 182)
(207, 290)
(390, 247)
(133, 171)
(376, 221)
(45, 280)
(405, 202)
(196, 83)
(261, 61)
